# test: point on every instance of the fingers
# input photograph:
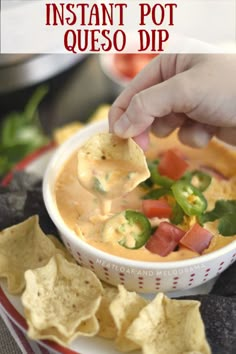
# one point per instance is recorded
(228, 135)
(135, 119)
(113, 115)
(149, 76)
(169, 94)
(195, 134)
(156, 102)
(165, 126)
(143, 139)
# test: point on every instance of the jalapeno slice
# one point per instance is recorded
(156, 178)
(157, 193)
(187, 177)
(200, 180)
(177, 216)
(141, 237)
(191, 200)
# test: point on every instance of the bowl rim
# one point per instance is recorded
(107, 65)
(54, 167)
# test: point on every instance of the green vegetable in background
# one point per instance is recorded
(21, 132)
(177, 216)
(157, 193)
(225, 212)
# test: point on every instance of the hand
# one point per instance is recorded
(193, 92)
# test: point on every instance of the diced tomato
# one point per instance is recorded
(165, 228)
(161, 245)
(177, 151)
(197, 239)
(165, 239)
(124, 65)
(172, 165)
(159, 208)
(129, 65)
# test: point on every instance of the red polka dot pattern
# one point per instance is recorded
(162, 282)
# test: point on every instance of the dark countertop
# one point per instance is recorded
(8, 344)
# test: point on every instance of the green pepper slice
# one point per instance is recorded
(187, 177)
(134, 217)
(200, 180)
(191, 200)
(98, 186)
(177, 216)
(157, 193)
(156, 178)
(148, 183)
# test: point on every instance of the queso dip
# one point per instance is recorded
(81, 210)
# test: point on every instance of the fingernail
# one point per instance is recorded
(121, 125)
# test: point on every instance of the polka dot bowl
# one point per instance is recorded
(143, 277)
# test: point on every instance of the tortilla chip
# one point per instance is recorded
(101, 113)
(124, 309)
(106, 148)
(61, 300)
(86, 328)
(60, 135)
(61, 248)
(169, 326)
(107, 327)
(23, 246)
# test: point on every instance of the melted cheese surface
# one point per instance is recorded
(81, 210)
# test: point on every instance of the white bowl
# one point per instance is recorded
(146, 277)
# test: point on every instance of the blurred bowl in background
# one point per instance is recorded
(121, 68)
(21, 71)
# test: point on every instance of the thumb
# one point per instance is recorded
(175, 95)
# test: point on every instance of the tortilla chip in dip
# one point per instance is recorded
(109, 166)
(169, 326)
(61, 300)
(23, 246)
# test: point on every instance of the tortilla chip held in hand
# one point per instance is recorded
(110, 166)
